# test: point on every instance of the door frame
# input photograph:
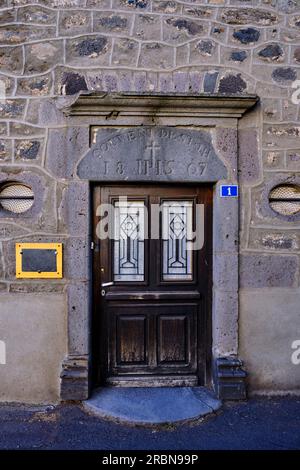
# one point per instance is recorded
(204, 329)
(219, 115)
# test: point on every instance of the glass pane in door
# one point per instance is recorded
(177, 227)
(128, 252)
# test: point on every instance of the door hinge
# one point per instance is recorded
(92, 245)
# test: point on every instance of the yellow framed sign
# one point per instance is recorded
(39, 260)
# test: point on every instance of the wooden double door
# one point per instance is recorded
(152, 269)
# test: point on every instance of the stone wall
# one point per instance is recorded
(54, 48)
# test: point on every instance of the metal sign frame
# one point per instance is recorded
(57, 274)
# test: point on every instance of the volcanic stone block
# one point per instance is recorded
(125, 52)
(257, 270)
(88, 51)
(156, 56)
(11, 59)
(75, 22)
(78, 317)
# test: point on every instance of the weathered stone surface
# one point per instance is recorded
(166, 83)
(3, 287)
(176, 30)
(147, 27)
(273, 240)
(287, 6)
(34, 287)
(76, 259)
(226, 144)
(225, 341)
(271, 109)
(64, 148)
(203, 48)
(7, 86)
(249, 16)
(37, 15)
(41, 57)
(198, 12)
(297, 55)
(282, 75)
(101, 4)
(210, 81)
(281, 135)
(232, 84)
(44, 112)
(181, 82)
(125, 80)
(249, 158)
(140, 81)
(238, 56)
(11, 59)
(110, 22)
(272, 52)
(12, 108)
(17, 34)
(88, 51)
(28, 149)
(5, 150)
(260, 271)
(74, 208)
(125, 52)
(131, 5)
(37, 86)
(156, 56)
(293, 159)
(78, 317)
(182, 55)
(247, 35)
(225, 235)
(273, 159)
(226, 271)
(162, 154)
(75, 22)
(166, 6)
(196, 79)
(3, 128)
(7, 16)
(72, 83)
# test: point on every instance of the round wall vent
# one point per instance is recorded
(16, 197)
(285, 199)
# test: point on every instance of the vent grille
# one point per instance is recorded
(285, 199)
(16, 198)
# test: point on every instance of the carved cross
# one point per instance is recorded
(152, 148)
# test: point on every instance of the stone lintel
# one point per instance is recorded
(161, 105)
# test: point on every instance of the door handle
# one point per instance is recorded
(107, 284)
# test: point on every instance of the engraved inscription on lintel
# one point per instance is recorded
(152, 153)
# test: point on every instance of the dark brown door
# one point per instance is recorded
(152, 262)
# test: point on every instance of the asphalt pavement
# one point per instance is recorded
(258, 424)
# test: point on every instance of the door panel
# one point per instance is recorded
(131, 339)
(151, 320)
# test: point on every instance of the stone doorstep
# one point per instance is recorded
(152, 405)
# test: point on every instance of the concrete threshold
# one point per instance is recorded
(152, 405)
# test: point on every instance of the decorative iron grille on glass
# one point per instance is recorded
(285, 199)
(177, 226)
(129, 220)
